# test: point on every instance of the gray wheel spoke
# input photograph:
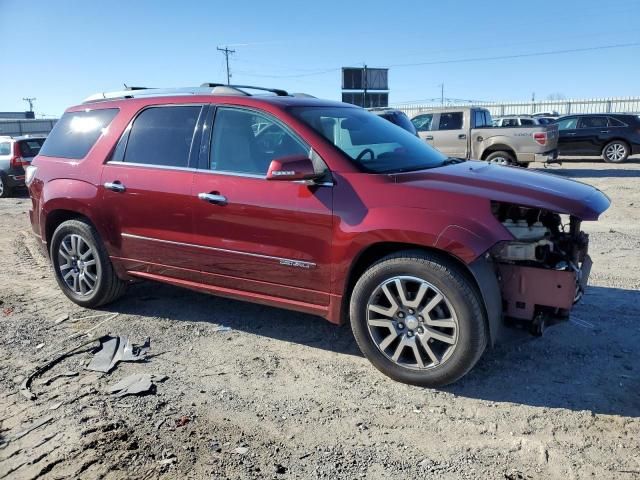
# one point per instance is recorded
(433, 303)
(387, 312)
(438, 335)
(417, 354)
(443, 323)
(91, 277)
(68, 274)
(89, 263)
(381, 322)
(427, 348)
(399, 349)
(388, 340)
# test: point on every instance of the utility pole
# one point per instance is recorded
(30, 100)
(226, 51)
(364, 84)
(442, 94)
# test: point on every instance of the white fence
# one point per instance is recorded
(562, 107)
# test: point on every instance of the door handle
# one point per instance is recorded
(429, 137)
(213, 198)
(462, 136)
(116, 186)
(479, 138)
(604, 131)
(570, 134)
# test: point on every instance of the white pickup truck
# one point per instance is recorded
(468, 132)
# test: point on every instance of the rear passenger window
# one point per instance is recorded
(30, 148)
(526, 122)
(5, 149)
(450, 121)
(76, 132)
(162, 136)
(592, 122)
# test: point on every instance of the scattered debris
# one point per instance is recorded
(61, 319)
(135, 385)
(88, 332)
(221, 328)
(305, 455)
(25, 387)
(280, 469)
(39, 346)
(160, 422)
(66, 374)
(582, 323)
(182, 421)
(117, 349)
(241, 450)
(56, 406)
(7, 311)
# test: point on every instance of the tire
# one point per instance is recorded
(380, 335)
(523, 164)
(616, 151)
(501, 158)
(84, 255)
(5, 190)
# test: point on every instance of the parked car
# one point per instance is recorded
(517, 121)
(397, 117)
(311, 205)
(15, 154)
(613, 136)
(468, 133)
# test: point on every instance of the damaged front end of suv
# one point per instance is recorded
(544, 270)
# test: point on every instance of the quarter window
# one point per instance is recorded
(162, 136)
(614, 122)
(76, 132)
(5, 149)
(527, 122)
(450, 121)
(246, 142)
(423, 122)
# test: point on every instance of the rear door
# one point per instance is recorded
(451, 135)
(264, 237)
(146, 191)
(593, 134)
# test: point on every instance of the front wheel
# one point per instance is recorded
(417, 317)
(615, 152)
(82, 267)
(5, 190)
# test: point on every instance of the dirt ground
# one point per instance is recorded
(287, 395)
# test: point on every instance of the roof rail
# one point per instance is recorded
(204, 89)
(277, 91)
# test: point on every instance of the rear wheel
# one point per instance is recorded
(5, 190)
(82, 267)
(418, 319)
(615, 152)
(501, 158)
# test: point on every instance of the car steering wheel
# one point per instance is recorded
(364, 152)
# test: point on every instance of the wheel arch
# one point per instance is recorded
(479, 273)
(498, 147)
(55, 218)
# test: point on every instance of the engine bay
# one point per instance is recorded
(543, 271)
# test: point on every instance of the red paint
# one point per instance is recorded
(236, 249)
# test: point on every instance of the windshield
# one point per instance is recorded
(373, 143)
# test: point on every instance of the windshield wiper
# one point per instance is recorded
(453, 161)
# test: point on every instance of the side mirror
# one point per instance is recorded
(293, 167)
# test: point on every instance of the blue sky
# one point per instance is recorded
(62, 51)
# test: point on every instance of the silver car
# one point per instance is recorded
(15, 154)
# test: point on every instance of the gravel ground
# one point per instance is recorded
(287, 395)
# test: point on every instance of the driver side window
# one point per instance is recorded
(423, 122)
(244, 141)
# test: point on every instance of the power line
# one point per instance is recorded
(461, 60)
(227, 51)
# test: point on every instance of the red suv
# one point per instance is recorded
(311, 205)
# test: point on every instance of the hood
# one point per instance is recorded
(513, 185)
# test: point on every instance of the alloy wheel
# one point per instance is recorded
(412, 323)
(615, 152)
(1, 187)
(78, 266)
(500, 161)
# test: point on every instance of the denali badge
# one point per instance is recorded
(293, 263)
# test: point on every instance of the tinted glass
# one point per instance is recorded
(162, 136)
(614, 122)
(401, 120)
(592, 122)
(526, 122)
(479, 118)
(567, 123)
(450, 121)
(76, 132)
(31, 147)
(371, 142)
(245, 142)
(509, 122)
(544, 121)
(423, 122)
(5, 149)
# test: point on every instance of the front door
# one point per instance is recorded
(451, 136)
(146, 192)
(267, 237)
(568, 138)
(423, 124)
